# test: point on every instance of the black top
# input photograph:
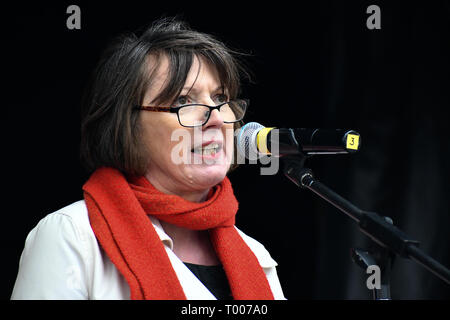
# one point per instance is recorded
(213, 278)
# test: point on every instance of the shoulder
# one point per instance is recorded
(261, 253)
(56, 256)
(76, 212)
(69, 222)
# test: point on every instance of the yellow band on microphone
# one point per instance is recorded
(261, 140)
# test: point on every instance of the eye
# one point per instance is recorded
(221, 98)
(181, 100)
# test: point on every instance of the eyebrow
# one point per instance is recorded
(192, 89)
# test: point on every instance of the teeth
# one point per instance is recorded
(210, 149)
(211, 146)
(207, 152)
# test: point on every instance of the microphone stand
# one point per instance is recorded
(388, 239)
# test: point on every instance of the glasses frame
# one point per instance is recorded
(211, 109)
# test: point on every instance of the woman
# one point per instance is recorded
(157, 219)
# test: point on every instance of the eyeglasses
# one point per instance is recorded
(196, 115)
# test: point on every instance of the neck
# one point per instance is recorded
(192, 246)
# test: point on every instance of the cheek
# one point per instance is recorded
(157, 136)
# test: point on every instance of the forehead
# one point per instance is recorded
(200, 74)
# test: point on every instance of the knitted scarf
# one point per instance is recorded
(118, 212)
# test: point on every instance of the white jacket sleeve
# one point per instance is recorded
(52, 264)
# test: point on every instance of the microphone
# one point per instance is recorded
(254, 141)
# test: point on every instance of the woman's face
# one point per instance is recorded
(187, 160)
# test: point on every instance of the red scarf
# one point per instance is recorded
(118, 212)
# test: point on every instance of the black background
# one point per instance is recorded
(315, 64)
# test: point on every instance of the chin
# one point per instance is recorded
(209, 176)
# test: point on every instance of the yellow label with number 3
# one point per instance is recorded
(352, 141)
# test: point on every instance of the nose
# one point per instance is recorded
(215, 120)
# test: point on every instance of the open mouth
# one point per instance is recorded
(208, 150)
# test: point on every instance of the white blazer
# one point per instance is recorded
(63, 260)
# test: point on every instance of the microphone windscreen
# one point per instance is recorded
(246, 140)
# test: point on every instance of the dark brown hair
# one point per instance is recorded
(110, 133)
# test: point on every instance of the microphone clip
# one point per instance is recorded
(295, 171)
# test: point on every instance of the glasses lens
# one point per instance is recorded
(197, 115)
(233, 111)
(193, 115)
